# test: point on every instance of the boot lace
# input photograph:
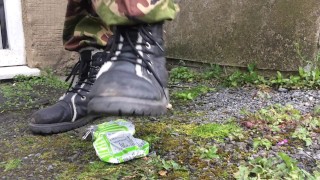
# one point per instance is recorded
(87, 75)
(146, 63)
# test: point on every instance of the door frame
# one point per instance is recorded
(13, 59)
(15, 54)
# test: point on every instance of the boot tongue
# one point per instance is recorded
(132, 32)
(98, 59)
(85, 55)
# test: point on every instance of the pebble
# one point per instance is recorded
(282, 90)
(38, 155)
(50, 167)
(242, 145)
(228, 103)
(74, 157)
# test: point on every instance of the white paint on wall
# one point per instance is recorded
(13, 59)
(10, 72)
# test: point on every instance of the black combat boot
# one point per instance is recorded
(70, 112)
(134, 80)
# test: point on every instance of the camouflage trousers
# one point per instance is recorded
(88, 22)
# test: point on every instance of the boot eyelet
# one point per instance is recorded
(83, 98)
(148, 46)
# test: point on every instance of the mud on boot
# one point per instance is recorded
(70, 112)
(134, 80)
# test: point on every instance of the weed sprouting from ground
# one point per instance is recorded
(261, 142)
(12, 164)
(182, 74)
(281, 167)
(191, 93)
(180, 147)
(286, 121)
(215, 71)
(208, 153)
(46, 79)
(28, 92)
(304, 79)
(303, 134)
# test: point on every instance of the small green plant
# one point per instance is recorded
(208, 153)
(311, 123)
(47, 78)
(239, 78)
(274, 117)
(236, 134)
(152, 138)
(235, 79)
(257, 142)
(191, 93)
(25, 91)
(181, 74)
(281, 167)
(12, 164)
(302, 133)
(305, 79)
(172, 165)
(316, 110)
(214, 71)
(279, 80)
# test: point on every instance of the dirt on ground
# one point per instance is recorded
(187, 143)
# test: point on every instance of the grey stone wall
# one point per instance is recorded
(226, 32)
(239, 32)
(43, 24)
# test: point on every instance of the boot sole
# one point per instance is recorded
(127, 106)
(61, 127)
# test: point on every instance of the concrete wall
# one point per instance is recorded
(226, 32)
(43, 24)
(239, 32)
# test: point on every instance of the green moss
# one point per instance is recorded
(191, 93)
(148, 128)
(182, 74)
(70, 171)
(98, 170)
(12, 164)
(151, 138)
(185, 128)
(215, 130)
(27, 92)
(180, 175)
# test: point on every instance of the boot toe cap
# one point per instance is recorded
(59, 112)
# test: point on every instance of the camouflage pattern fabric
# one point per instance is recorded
(83, 28)
(124, 12)
(88, 22)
